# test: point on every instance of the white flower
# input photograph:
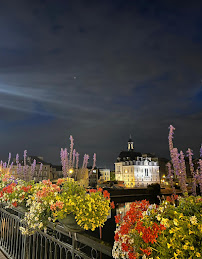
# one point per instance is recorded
(193, 220)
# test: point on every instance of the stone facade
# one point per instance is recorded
(104, 174)
(136, 169)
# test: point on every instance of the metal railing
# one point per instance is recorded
(55, 243)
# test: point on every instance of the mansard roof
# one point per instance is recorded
(128, 155)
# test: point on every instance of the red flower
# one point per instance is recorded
(15, 204)
(92, 190)
(106, 194)
(131, 256)
(124, 247)
(116, 237)
(146, 251)
(112, 205)
(117, 218)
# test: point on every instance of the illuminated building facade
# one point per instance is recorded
(136, 169)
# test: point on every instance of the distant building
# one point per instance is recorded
(57, 171)
(136, 169)
(45, 173)
(163, 171)
(82, 177)
(87, 177)
(92, 177)
(104, 174)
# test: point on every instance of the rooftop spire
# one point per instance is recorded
(130, 144)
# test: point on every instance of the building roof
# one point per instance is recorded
(30, 160)
(38, 160)
(128, 155)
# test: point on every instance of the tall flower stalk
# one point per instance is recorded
(171, 176)
(191, 165)
(70, 161)
(94, 164)
(183, 175)
(178, 162)
(170, 137)
(200, 175)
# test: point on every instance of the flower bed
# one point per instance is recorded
(164, 231)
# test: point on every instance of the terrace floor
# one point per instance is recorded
(2, 256)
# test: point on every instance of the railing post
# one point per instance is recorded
(26, 247)
(73, 245)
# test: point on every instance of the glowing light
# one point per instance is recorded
(71, 171)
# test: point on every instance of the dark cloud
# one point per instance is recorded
(99, 70)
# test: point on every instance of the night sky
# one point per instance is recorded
(100, 71)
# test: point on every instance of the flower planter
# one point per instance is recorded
(22, 209)
(70, 224)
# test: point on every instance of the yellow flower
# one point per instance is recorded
(198, 254)
(175, 221)
(185, 247)
(169, 245)
(200, 228)
(191, 247)
(181, 216)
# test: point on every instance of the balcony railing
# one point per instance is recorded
(55, 243)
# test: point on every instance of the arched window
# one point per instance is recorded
(146, 172)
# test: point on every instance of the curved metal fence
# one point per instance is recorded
(55, 243)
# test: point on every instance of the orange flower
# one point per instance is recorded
(60, 181)
(112, 205)
(15, 204)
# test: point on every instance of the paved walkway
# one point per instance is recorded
(2, 256)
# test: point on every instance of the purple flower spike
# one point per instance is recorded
(77, 160)
(170, 137)
(74, 157)
(182, 176)
(175, 161)
(170, 177)
(9, 158)
(200, 175)
(33, 167)
(71, 150)
(17, 159)
(190, 154)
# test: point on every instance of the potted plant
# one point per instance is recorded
(89, 208)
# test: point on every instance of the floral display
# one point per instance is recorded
(172, 230)
(48, 202)
(165, 231)
(14, 192)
